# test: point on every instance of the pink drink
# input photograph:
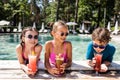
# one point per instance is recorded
(32, 62)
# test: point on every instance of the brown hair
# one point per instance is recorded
(101, 34)
(24, 31)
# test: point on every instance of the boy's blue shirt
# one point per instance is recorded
(107, 53)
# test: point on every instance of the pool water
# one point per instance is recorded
(8, 44)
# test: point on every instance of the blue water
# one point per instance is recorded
(8, 43)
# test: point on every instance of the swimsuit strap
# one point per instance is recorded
(64, 47)
(26, 61)
(52, 47)
(23, 50)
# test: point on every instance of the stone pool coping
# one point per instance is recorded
(10, 69)
(76, 65)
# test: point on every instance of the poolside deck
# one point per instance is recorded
(10, 69)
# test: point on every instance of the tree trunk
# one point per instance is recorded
(76, 10)
(57, 12)
(99, 12)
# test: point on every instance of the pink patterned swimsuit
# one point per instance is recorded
(53, 55)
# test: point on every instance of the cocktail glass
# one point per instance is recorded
(32, 62)
(59, 61)
(98, 58)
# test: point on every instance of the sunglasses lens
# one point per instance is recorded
(36, 37)
(30, 36)
(95, 46)
(62, 34)
(66, 34)
(101, 47)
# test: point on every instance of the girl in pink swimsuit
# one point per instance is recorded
(29, 40)
(58, 46)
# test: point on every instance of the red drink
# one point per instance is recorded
(32, 63)
(98, 58)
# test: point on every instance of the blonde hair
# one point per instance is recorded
(55, 25)
(59, 23)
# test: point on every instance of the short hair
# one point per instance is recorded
(101, 34)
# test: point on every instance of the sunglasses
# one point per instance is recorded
(31, 36)
(63, 34)
(100, 46)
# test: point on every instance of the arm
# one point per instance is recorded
(47, 55)
(90, 55)
(38, 50)
(21, 61)
(107, 62)
(69, 54)
(111, 51)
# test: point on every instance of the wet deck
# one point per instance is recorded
(79, 70)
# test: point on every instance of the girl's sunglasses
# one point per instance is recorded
(100, 46)
(63, 34)
(31, 36)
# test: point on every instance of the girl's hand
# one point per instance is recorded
(104, 68)
(53, 71)
(30, 72)
(62, 68)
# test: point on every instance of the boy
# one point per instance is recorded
(99, 45)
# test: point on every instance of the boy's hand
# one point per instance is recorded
(92, 62)
(104, 68)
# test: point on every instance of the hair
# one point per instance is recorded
(50, 24)
(25, 30)
(101, 34)
(56, 24)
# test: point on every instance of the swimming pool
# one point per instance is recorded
(8, 43)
